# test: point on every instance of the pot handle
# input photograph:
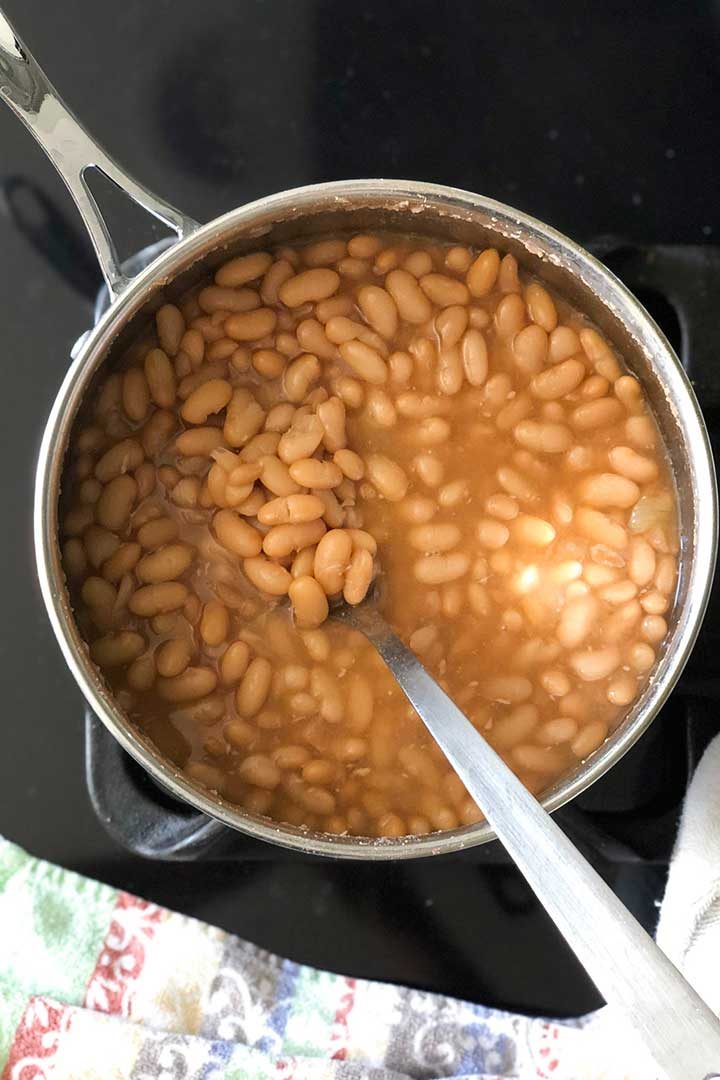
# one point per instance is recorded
(73, 152)
(140, 815)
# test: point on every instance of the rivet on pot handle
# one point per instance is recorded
(73, 151)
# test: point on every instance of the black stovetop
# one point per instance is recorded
(603, 122)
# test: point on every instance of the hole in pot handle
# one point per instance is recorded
(73, 152)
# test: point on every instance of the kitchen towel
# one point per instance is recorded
(689, 925)
(97, 983)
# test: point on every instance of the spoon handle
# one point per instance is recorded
(677, 1028)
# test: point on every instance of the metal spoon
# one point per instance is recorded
(648, 993)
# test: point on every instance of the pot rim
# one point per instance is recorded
(513, 224)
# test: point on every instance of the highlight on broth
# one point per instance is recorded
(319, 415)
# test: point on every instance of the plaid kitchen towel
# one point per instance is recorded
(96, 983)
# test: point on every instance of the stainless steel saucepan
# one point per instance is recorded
(444, 213)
